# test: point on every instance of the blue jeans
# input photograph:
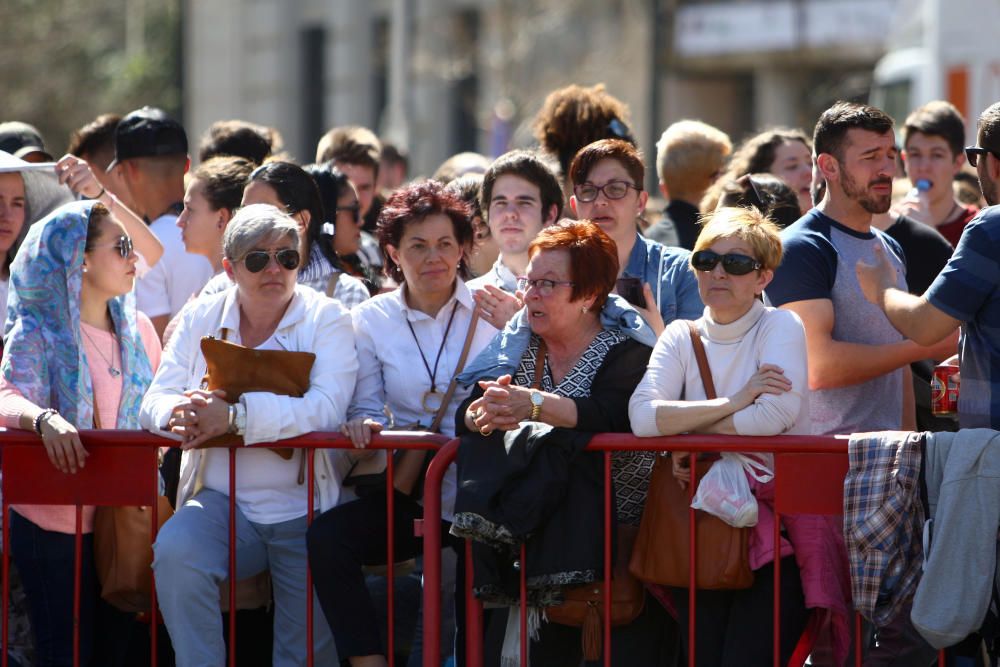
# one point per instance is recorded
(191, 559)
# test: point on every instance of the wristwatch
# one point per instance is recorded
(537, 398)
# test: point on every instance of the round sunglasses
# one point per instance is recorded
(257, 260)
(733, 263)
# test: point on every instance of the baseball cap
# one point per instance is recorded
(148, 132)
(20, 139)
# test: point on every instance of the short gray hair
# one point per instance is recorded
(255, 225)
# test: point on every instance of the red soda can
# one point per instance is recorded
(945, 385)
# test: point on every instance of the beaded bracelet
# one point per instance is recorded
(40, 417)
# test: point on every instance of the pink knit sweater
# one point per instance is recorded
(97, 346)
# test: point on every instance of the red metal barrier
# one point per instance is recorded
(109, 479)
(809, 475)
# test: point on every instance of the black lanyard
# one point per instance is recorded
(432, 374)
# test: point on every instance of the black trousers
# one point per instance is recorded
(736, 628)
(343, 540)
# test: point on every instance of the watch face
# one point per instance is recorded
(537, 398)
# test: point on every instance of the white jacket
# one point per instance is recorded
(312, 323)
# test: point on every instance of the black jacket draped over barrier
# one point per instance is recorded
(536, 485)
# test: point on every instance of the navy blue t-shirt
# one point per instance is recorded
(818, 263)
(968, 289)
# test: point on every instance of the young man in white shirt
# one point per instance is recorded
(151, 159)
(520, 195)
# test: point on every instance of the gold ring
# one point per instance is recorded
(484, 431)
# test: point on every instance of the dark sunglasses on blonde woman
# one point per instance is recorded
(732, 263)
(257, 260)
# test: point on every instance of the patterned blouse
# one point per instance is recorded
(630, 471)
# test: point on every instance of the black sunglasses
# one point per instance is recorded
(732, 263)
(972, 154)
(257, 260)
(355, 210)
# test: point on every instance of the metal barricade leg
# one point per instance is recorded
(310, 509)
(473, 615)
(693, 560)
(390, 556)
(232, 558)
(606, 630)
(5, 631)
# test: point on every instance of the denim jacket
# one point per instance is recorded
(503, 354)
(675, 288)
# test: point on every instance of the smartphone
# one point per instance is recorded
(630, 289)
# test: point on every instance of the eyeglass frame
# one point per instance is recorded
(601, 190)
(524, 283)
(124, 246)
(272, 255)
(972, 154)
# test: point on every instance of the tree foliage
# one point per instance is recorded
(66, 61)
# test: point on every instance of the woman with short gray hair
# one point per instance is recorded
(265, 310)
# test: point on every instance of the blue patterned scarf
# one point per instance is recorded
(43, 353)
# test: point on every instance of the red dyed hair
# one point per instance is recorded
(593, 256)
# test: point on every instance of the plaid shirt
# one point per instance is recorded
(883, 519)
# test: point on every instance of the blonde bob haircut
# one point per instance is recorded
(747, 224)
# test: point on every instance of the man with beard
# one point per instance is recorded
(964, 293)
(858, 363)
(859, 375)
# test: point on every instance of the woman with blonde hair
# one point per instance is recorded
(757, 360)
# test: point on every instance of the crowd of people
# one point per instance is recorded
(521, 303)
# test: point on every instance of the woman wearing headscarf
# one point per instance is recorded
(78, 355)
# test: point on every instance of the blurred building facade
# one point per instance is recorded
(441, 76)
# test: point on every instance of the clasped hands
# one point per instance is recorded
(202, 417)
(502, 407)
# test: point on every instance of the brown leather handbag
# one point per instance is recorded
(583, 606)
(661, 553)
(238, 370)
(123, 553)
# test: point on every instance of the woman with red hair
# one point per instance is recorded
(569, 360)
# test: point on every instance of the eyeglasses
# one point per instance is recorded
(972, 154)
(543, 286)
(732, 263)
(355, 210)
(123, 246)
(587, 192)
(257, 260)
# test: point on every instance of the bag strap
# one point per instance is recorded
(469, 335)
(536, 382)
(702, 358)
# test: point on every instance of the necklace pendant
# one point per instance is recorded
(431, 401)
(114, 372)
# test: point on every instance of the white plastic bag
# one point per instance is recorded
(724, 491)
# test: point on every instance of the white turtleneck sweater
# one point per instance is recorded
(735, 351)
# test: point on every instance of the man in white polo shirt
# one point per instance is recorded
(151, 157)
(520, 195)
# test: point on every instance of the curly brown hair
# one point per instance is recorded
(413, 203)
(575, 116)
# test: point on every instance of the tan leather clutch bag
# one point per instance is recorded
(238, 370)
